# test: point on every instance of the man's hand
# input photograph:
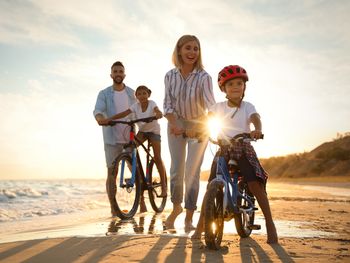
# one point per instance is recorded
(103, 122)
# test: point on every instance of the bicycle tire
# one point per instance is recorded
(243, 222)
(126, 198)
(214, 217)
(155, 189)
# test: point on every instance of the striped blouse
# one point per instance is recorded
(188, 98)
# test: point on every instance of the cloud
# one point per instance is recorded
(141, 22)
(47, 132)
(297, 60)
(22, 22)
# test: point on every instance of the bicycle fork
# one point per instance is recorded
(232, 192)
(129, 182)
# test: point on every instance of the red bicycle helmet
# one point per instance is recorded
(231, 72)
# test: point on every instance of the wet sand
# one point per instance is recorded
(312, 221)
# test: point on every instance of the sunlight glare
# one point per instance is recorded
(213, 227)
(214, 126)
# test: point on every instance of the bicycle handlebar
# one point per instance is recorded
(132, 122)
(239, 138)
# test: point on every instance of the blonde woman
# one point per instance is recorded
(188, 95)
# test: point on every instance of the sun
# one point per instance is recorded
(214, 126)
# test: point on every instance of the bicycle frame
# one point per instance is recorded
(135, 180)
(231, 194)
(135, 158)
(223, 174)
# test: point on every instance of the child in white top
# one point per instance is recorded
(237, 115)
(145, 108)
(230, 127)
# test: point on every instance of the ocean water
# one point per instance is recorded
(36, 209)
(20, 200)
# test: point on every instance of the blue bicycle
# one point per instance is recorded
(228, 196)
(132, 179)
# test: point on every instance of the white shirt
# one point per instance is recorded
(189, 98)
(149, 112)
(240, 123)
(121, 103)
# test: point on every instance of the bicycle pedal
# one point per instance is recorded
(254, 227)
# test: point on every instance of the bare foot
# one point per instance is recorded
(189, 227)
(164, 192)
(113, 212)
(169, 222)
(197, 235)
(272, 237)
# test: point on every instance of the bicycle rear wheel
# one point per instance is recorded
(214, 217)
(127, 196)
(244, 221)
(155, 188)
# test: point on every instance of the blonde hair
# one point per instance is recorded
(177, 60)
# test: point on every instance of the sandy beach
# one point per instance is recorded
(312, 221)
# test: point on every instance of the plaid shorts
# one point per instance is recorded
(247, 159)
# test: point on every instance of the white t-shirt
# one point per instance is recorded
(143, 126)
(121, 103)
(240, 123)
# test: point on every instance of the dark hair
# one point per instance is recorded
(117, 63)
(142, 87)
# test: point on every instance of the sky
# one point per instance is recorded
(55, 57)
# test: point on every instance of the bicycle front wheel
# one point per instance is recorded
(244, 221)
(214, 217)
(127, 196)
(155, 188)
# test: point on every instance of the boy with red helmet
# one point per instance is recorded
(237, 115)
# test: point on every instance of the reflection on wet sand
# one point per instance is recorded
(145, 223)
(137, 224)
(154, 224)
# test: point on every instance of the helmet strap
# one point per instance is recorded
(237, 105)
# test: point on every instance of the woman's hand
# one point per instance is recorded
(191, 133)
(176, 130)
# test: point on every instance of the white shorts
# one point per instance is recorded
(112, 152)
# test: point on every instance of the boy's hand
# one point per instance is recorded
(256, 134)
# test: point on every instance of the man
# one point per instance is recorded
(110, 101)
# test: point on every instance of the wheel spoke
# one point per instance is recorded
(155, 189)
(127, 195)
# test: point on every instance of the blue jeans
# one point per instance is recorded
(185, 167)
